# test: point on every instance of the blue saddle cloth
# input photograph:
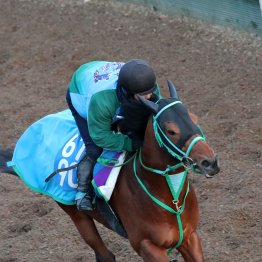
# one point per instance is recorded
(51, 143)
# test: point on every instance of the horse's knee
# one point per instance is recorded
(152, 253)
(191, 248)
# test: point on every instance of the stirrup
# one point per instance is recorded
(83, 202)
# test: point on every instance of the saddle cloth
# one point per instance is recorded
(54, 142)
(106, 172)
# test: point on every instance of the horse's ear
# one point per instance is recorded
(194, 118)
(172, 89)
(151, 105)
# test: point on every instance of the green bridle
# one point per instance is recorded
(185, 161)
(182, 156)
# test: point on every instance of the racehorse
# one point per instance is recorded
(153, 198)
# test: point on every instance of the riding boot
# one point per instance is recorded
(85, 192)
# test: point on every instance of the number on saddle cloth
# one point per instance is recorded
(35, 159)
(106, 172)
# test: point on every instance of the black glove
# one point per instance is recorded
(135, 116)
(136, 143)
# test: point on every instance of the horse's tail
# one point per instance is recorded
(5, 156)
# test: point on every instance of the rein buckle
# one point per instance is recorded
(175, 202)
(187, 161)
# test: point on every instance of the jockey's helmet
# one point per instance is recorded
(137, 77)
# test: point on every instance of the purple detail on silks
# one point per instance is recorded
(101, 178)
(103, 173)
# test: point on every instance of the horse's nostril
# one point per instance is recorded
(205, 163)
(210, 166)
(214, 165)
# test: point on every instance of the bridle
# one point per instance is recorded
(172, 149)
(184, 161)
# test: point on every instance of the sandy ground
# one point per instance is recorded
(218, 75)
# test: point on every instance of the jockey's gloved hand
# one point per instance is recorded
(136, 143)
(154, 97)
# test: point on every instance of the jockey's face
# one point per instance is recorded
(147, 96)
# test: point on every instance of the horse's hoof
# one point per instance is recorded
(109, 259)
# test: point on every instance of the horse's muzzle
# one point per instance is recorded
(209, 166)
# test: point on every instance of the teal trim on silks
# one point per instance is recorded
(40, 191)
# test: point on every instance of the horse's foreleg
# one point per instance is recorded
(89, 233)
(191, 249)
(152, 253)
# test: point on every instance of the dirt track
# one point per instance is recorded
(218, 73)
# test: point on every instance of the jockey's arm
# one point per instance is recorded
(101, 112)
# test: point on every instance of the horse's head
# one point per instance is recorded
(177, 130)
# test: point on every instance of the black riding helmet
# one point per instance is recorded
(137, 77)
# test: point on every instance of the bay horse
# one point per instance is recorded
(153, 198)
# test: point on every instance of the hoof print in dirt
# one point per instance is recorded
(20, 229)
(41, 209)
(3, 189)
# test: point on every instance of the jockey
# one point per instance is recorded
(97, 92)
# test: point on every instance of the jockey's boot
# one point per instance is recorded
(85, 193)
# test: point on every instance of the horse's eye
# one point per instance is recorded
(171, 132)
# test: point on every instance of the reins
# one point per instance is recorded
(113, 162)
(103, 161)
(61, 170)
